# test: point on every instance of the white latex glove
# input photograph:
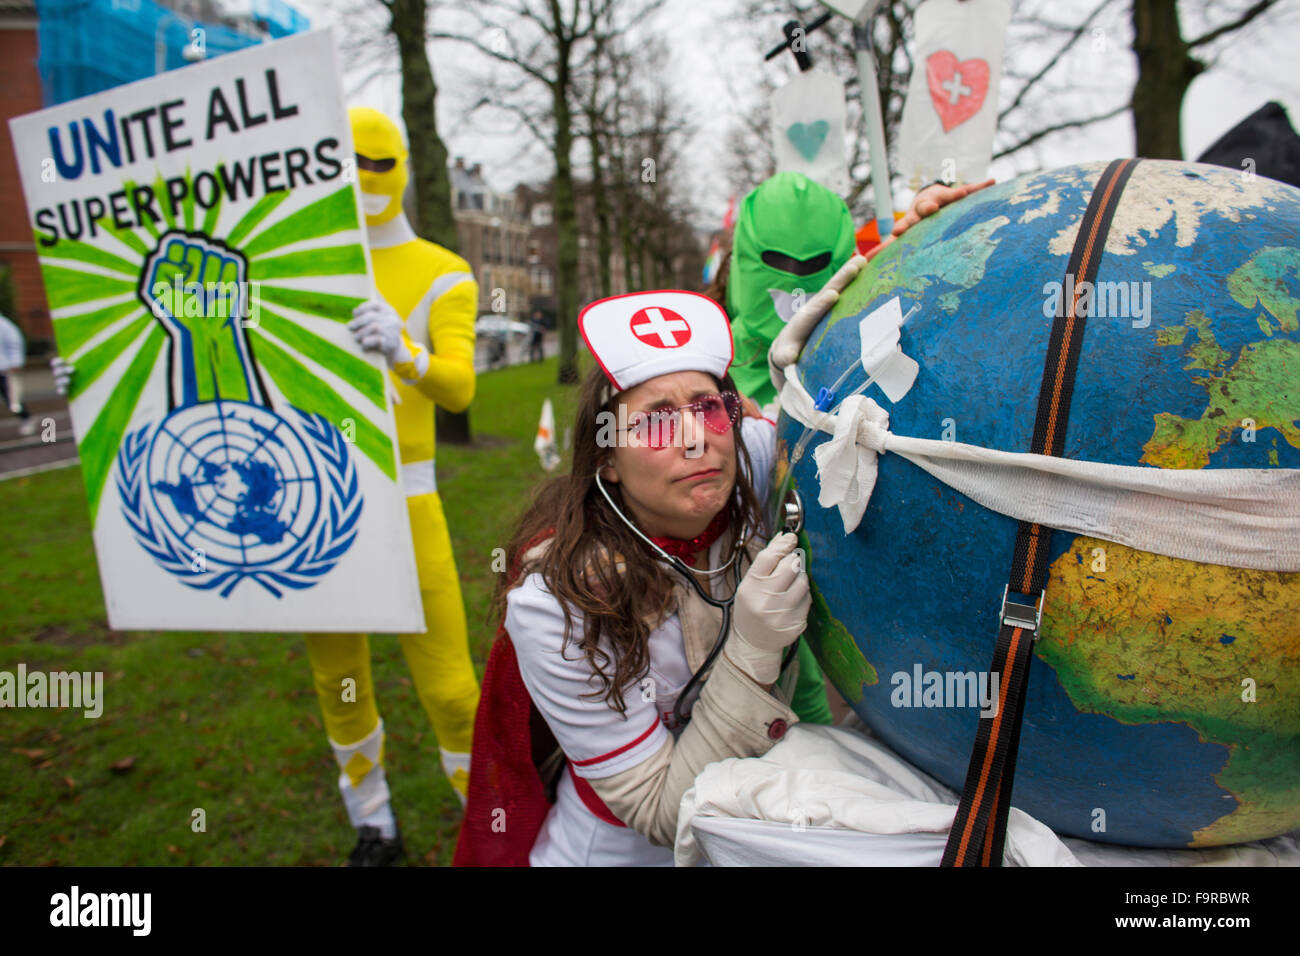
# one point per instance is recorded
(771, 609)
(377, 326)
(63, 371)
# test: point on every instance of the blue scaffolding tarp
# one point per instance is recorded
(91, 45)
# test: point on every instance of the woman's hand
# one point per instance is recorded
(926, 203)
(771, 609)
(933, 198)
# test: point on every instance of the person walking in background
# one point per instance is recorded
(535, 350)
(13, 356)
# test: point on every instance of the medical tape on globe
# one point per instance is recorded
(882, 359)
(1238, 517)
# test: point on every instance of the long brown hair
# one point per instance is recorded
(595, 566)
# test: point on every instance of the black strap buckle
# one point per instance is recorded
(1018, 614)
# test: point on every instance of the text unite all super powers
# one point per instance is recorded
(115, 141)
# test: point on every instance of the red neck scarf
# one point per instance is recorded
(687, 550)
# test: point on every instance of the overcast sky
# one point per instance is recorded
(718, 60)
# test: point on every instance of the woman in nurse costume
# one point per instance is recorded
(616, 678)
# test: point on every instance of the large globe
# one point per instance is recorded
(1164, 702)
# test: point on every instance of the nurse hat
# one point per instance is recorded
(639, 336)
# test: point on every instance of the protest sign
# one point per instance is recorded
(202, 248)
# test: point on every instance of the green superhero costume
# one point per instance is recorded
(792, 234)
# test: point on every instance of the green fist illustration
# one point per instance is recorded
(196, 288)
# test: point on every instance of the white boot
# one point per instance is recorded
(456, 767)
(363, 784)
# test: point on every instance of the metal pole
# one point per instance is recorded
(875, 122)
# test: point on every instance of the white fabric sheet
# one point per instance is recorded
(1239, 517)
(835, 796)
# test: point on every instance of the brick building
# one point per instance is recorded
(20, 93)
(494, 238)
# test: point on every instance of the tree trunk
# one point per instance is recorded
(428, 163)
(566, 224)
(625, 223)
(1165, 70)
(600, 199)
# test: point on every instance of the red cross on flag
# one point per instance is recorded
(952, 104)
(642, 335)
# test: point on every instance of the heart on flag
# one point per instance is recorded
(808, 137)
(957, 88)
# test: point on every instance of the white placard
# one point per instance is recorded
(808, 129)
(951, 111)
(202, 248)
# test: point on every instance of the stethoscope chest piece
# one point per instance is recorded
(792, 512)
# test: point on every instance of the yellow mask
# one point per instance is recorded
(375, 137)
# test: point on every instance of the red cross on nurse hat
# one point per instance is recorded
(639, 336)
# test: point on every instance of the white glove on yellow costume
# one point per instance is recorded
(423, 323)
(376, 325)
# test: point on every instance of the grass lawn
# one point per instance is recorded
(227, 723)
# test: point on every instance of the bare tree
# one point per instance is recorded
(645, 131)
(547, 45)
(1047, 65)
(368, 47)
(749, 140)
(1167, 64)
(596, 102)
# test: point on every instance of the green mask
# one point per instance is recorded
(791, 236)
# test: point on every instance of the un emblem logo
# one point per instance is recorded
(224, 489)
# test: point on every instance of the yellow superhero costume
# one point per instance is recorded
(424, 325)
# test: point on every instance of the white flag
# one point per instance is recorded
(808, 129)
(952, 103)
(544, 443)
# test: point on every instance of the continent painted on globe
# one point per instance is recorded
(1263, 280)
(835, 649)
(1208, 646)
(957, 262)
(1168, 196)
(1259, 390)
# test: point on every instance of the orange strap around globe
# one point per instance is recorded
(979, 829)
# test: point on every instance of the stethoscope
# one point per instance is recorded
(792, 520)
